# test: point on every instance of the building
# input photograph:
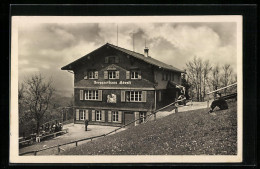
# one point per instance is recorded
(114, 86)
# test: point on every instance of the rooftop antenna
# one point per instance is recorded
(117, 35)
(133, 43)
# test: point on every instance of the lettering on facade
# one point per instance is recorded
(113, 83)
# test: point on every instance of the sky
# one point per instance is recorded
(46, 47)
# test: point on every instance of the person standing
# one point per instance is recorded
(86, 125)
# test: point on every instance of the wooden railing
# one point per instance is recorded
(223, 88)
(43, 136)
(103, 135)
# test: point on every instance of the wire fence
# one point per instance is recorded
(103, 135)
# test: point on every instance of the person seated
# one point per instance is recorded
(53, 128)
(183, 99)
(60, 124)
(218, 102)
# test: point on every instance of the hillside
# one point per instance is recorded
(187, 133)
(59, 100)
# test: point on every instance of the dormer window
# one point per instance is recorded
(112, 74)
(91, 74)
(112, 59)
(135, 74)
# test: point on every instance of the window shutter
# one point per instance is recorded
(120, 116)
(127, 74)
(93, 115)
(105, 75)
(77, 114)
(99, 95)
(81, 95)
(106, 59)
(117, 59)
(109, 116)
(136, 117)
(96, 74)
(139, 74)
(117, 74)
(144, 96)
(103, 115)
(86, 115)
(122, 96)
(86, 75)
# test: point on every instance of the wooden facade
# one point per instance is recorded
(113, 85)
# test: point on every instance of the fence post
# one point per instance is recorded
(76, 143)
(208, 101)
(35, 153)
(58, 148)
(176, 110)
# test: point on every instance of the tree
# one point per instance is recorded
(20, 97)
(37, 97)
(186, 84)
(206, 70)
(226, 77)
(215, 80)
(194, 73)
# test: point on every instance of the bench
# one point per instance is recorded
(25, 142)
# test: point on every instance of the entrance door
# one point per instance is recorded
(129, 117)
(142, 117)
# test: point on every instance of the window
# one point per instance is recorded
(134, 96)
(98, 115)
(142, 117)
(82, 114)
(112, 74)
(111, 59)
(172, 76)
(91, 95)
(115, 116)
(164, 76)
(91, 75)
(135, 75)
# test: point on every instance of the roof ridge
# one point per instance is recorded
(149, 60)
(125, 49)
(146, 59)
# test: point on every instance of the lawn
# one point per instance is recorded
(187, 133)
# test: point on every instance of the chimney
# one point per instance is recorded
(146, 51)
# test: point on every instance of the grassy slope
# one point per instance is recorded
(186, 133)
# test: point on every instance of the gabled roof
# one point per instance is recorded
(149, 60)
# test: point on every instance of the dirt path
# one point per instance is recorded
(189, 106)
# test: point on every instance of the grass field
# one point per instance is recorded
(186, 133)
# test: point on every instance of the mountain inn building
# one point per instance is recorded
(114, 86)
